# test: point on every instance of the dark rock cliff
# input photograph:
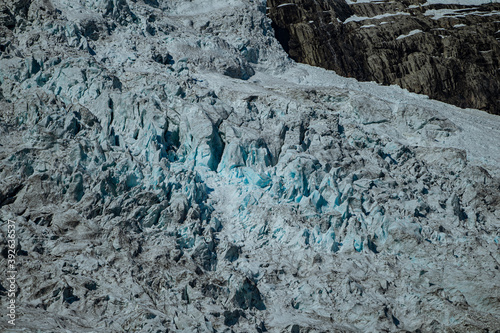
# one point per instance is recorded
(448, 52)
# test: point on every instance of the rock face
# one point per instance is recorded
(169, 168)
(450, 52)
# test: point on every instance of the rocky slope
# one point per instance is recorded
(170, 169)
(448, 50)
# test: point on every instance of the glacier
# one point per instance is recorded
(171, 169)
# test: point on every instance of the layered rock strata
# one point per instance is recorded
(450, 52)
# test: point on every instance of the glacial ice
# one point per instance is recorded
(170, 156)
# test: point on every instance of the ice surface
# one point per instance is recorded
(171, 165)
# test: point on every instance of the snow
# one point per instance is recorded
(438, 14)
(411, 33)
(472, 137)
(286, 4)
(435, 2)
(355, 18)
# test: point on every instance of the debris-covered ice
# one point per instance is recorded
(170, 169)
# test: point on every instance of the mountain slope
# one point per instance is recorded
(448, 50)
(169, 168)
